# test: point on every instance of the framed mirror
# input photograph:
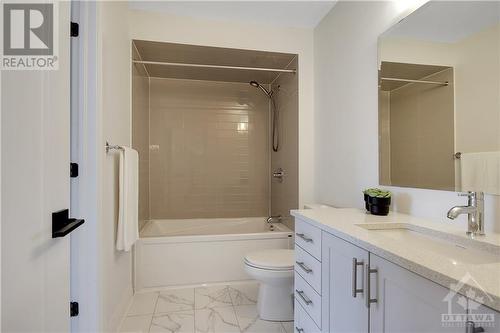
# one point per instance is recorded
(439, 98)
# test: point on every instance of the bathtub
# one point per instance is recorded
(199, 251)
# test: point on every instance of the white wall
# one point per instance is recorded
(114, 86)
(162, 27)
(345, 81)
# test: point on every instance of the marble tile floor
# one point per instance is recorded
(214, 309)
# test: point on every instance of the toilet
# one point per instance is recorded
(274, 270)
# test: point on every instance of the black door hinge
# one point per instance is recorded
(73, 309)
(75, 29)
(73, 170)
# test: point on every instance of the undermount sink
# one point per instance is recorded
(458, 249)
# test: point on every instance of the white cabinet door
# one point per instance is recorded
(35, 123)
(407, 302)
(343, 268)
(482, 316)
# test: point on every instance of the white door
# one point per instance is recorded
(343, 286)
(35, 183)
(407, 302)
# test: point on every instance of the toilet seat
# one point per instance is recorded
(272, 260)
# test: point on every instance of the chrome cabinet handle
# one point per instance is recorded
(470, 327)
(304, 267)
(300, 330)
(369, 271)
(304, 237)
(304, 297)
(355, 264)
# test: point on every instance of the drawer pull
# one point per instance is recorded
(355, 264)
(369, 271)
(299, 330)
(304, 297)
(304, 267)
(304, 237)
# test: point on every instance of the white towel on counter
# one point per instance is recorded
(481, 172)
(128, 202)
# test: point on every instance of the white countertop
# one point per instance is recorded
(483, 276)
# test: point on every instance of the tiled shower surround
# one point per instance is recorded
(207, 151)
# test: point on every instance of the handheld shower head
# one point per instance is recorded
(275, 133)
(258, 85)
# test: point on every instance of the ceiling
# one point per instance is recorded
(448, 21)
(302, 14)
(207, 55)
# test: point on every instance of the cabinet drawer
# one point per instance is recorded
(308, 268)
(308, 237)
(302, 322)
(308, 298)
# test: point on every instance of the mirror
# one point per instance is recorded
(439, 98)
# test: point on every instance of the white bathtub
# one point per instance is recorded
(197, 251)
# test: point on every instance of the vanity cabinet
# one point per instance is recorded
(482, 316)
(362, 292)
(365, 293)
(308, 266)
(344, 286)
(406, 302)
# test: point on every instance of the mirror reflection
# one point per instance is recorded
(439, 98)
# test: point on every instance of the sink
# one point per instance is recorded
(458, 249)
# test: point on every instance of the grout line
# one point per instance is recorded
(154, 311)
(287, 67)
(234, 308)
(140, 58)
(194, 309)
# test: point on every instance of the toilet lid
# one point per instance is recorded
(279, 259)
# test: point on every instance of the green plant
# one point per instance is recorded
(377, 193)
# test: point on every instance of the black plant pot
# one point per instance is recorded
(367, 204)
(379, 206)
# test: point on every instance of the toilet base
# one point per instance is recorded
(275, 303)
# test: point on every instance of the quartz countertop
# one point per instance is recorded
(481, 275)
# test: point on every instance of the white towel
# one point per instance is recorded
(128, 210)
(481, 172)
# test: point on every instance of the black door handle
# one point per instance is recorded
(62, 224)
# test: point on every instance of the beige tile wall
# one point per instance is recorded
(209, 152)
(285, 195)
(422, 134)
(140, 136)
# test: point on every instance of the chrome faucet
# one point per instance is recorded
(474, 210)
(271, 218)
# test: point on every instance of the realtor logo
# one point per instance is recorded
(468, 296)
(29, 40)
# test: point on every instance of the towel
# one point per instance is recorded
(128, 202)
(481, 172)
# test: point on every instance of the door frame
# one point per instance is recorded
(85, 190)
